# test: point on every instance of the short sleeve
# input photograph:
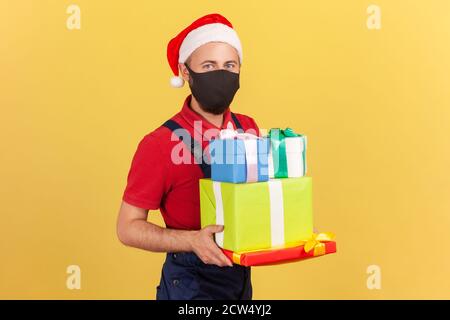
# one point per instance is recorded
(147, 175)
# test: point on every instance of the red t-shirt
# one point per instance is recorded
(155, 182)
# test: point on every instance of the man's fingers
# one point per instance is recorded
(221, 257)
(214, 254)
(212, 259)
(214, 228)
(218, 253)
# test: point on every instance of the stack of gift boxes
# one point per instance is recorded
(259, 192)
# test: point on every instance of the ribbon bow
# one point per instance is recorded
(230, 133)
(288, 132)
(317, 243)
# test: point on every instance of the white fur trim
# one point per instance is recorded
(209, 33)
(176, 82)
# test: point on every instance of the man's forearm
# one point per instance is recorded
(148, 236)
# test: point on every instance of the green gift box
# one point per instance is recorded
(275, 213)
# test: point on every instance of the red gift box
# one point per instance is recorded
(281, 255)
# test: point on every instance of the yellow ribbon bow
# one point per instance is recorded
(317, 242)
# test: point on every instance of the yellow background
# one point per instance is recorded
(375, 105)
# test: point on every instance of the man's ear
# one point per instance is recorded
(184, 72)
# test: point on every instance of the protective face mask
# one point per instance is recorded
(214, 90)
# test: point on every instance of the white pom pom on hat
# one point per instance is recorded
(176, 81)
(212, 27)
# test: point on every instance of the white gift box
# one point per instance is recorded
(295, 157)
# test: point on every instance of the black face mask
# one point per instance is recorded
(214, 90)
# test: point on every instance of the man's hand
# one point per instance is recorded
(134, 230)
(206, 249)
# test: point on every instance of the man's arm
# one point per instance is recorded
(134, 230)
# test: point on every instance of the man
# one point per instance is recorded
(208, 54)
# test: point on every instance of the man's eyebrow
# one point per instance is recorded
(209, 61)
(215, 62)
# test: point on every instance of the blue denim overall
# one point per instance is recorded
(185, 277)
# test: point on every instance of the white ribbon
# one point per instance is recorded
(276, 212)
(219, 211)
(295, 147)
(251, 149)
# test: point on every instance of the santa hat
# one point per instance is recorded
(212, 27)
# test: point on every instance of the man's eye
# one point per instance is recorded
(207, 66)
(230, 66)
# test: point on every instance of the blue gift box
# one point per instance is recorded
(229, 160)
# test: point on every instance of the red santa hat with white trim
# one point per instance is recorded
(209, 28)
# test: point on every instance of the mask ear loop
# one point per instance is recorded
(190, 71)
